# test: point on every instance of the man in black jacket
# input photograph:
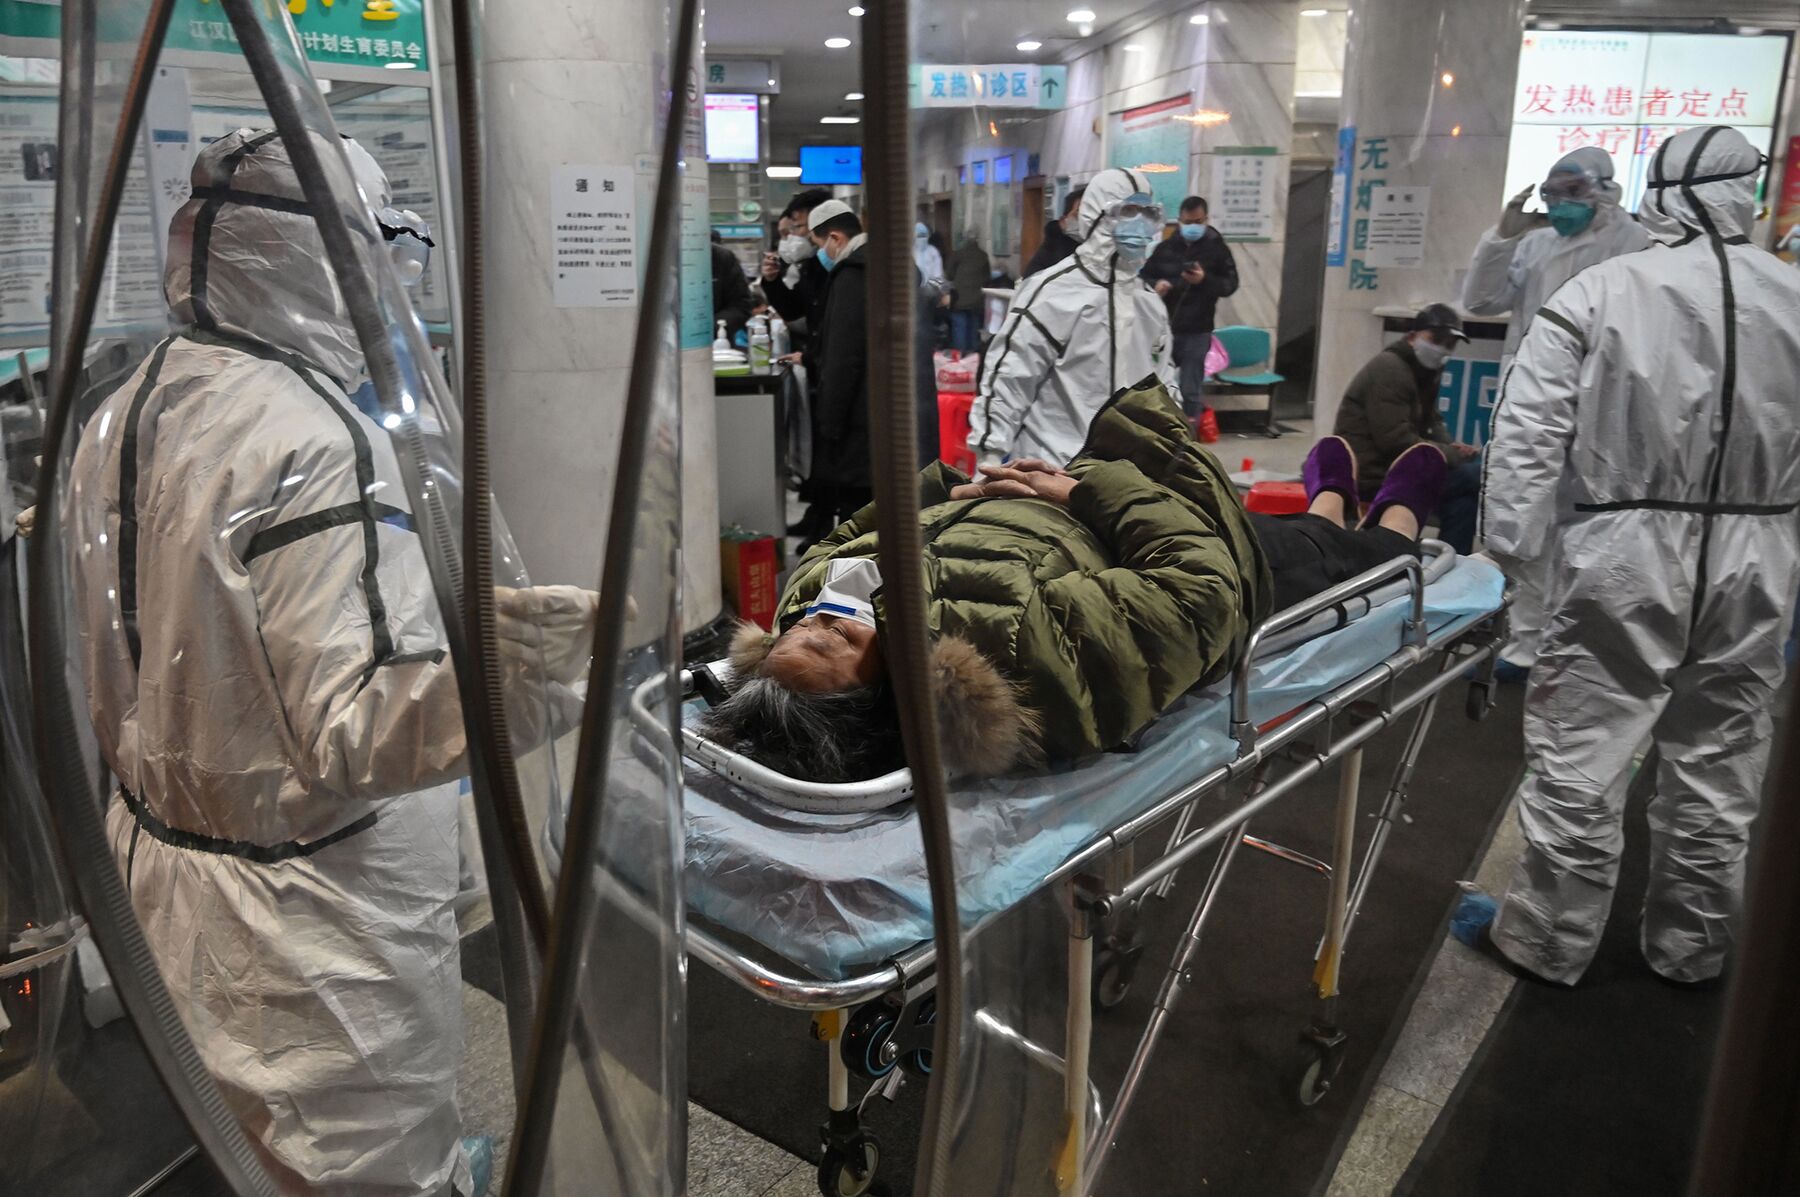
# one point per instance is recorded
(803, 298)
(730, 290)
(1192, 271)
(837, 362)
(1392, 405)
(1059, 242)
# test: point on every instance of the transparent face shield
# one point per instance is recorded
(302, 312)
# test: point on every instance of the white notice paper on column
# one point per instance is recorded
(593, 236)
(1397, 218)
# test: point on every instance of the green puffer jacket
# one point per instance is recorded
(1062, 631)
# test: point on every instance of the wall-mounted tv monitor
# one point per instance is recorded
(831, 165)
(732, 128)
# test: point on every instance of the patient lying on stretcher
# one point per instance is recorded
(1068, 608)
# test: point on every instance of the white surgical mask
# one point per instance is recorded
(1431, 355)
(794, 249)
(850, 585)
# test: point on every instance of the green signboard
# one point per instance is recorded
(364, 33)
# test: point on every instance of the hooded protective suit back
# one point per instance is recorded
(1648, 431)
(1517, 274)
(1074, 335)
(267, 676)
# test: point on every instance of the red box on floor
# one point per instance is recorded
(748, 570)
(953, 429)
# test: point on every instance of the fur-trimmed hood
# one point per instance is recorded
(984, 727)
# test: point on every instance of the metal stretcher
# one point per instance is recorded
(1316, 683)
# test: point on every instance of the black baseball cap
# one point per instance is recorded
(1439, 317)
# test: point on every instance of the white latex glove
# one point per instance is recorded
(1515, 221)
(556, 622)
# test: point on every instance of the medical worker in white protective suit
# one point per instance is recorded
(268, 677)
(1649, 429)
(1520, 263)
(1077, 332)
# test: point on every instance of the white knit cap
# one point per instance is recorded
(829, 210)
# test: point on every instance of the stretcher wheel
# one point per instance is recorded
(867, 1041)
(1479, 702)
(918, 1061)
(1319, 1067)
(1114, 969)
(848, 1169)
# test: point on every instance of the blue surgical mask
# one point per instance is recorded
(1132, 236)
(1569, 218)
(1194, 231)
(824, 259)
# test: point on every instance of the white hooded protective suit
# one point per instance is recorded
(1074, 335)
(1516, 275)
(1648, 429)
(267, 673)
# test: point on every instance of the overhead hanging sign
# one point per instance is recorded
(759, 75)
(988, 85)
(364, 33)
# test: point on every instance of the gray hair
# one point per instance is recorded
(833, 737)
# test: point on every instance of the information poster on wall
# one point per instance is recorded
(1397, 219)
(29, 164)
(1337, 209)
(593, 241)
(1156, 140)
(1242, 203)
(696, 227)
(1628, 92)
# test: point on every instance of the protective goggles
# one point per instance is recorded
(409, 242)
(1570, 187)
(1135, 206)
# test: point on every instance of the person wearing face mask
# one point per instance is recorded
(1518, 264)
(1192, 271)
(1059, 235)
(1647, 434)
(1392, 405)
(792, 280)
(838, 364)
(925, 255)
(1077, 333)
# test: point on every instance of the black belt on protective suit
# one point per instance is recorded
(259, 853)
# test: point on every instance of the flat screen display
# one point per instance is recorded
(831, 165)
(732, 128)
(1628, 91)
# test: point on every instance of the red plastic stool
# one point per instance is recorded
(1276, 498)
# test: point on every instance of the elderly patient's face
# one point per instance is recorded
(822, 654)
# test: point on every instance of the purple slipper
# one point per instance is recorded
(1331, 466)
(1414, 482)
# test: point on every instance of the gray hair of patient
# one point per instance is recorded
(831, 737)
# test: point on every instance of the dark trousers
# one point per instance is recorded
(1190, 355)
(965, 329)
(1460, 505)
(1308, 553)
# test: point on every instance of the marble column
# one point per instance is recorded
(575, 84)
(1429, 100)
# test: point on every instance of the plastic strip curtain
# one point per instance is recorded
(604, 1099)
(379, 376)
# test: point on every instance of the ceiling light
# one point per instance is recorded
(401, 66)
(857, 10)
(1447, 79)
(840, 120)
(1133, 48)
(853, 95)
(1199, 18)
(783, 172)
(1082, 16)
(837, 43)
(1027, 46)
(1312, 12)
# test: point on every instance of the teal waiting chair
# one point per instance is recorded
(1249, 349)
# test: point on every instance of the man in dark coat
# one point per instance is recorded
(837, 363)
(1392, 405)
(730, 290)
(1192, 271)
(1059, 241)
(970, 270)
